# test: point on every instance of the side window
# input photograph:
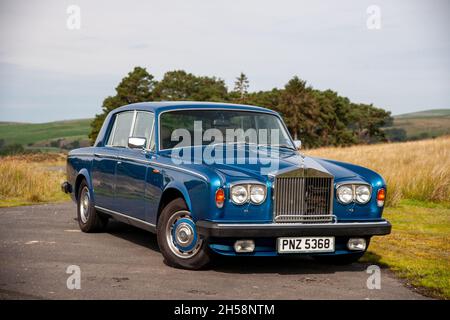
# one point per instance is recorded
(121, 130)
(143, 127)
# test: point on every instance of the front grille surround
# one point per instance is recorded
(303, 199)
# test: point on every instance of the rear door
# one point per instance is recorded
(106, 159)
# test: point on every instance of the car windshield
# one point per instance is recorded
(183, 128)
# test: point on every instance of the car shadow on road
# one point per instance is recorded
(132, 234)
(280, 265)
(239, 265)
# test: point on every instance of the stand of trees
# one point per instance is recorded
(318, 118)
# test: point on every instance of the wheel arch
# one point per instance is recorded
(172, 192)
(82, 175)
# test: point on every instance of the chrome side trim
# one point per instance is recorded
(134, 159)
(150, 226)
(157, 164)
(104, 155)
(180, 169)
(80, 155)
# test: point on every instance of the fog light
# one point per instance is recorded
(242, 246)
(356, 244)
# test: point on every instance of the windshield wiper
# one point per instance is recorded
(277, 146)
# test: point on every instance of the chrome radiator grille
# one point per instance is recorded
(303, 199)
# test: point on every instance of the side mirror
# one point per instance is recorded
(298, 144)
(136, 143)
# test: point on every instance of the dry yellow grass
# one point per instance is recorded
(417, 170)
(31, 179)
(418, 182)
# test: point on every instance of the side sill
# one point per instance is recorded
(141, 224)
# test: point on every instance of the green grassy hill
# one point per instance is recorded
(425, 114)
(54, 136)
(420, 125)
(44, 135)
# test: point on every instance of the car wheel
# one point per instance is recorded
(178, 239)
(89, 219)
(341, 259)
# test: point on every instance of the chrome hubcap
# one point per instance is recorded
(184, 234)
(181, 235)
(84, 205)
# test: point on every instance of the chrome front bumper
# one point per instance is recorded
(266, 230)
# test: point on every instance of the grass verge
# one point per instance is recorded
(418, 249)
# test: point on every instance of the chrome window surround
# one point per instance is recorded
(113, 130)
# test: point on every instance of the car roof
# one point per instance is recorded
(175, 105)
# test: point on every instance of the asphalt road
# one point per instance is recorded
(38, 243)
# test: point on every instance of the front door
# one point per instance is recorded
(133, 168)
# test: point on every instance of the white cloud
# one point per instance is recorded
(403, 67)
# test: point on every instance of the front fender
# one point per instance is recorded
(181, 188)
(354, 211)
(372, 177)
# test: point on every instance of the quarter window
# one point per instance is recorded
(121, 131)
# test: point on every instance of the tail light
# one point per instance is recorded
(381, 196)
(220, 198)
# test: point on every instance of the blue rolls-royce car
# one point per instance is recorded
(252, 193)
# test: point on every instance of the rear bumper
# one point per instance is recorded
(66, 187)
(210, 229)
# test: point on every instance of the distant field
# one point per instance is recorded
(425, 114)
(59, 135)
(424, 124)
(41, 134)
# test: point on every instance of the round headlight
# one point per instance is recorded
(257, 194)
(239, 194)
(362, 194)
(345, 194)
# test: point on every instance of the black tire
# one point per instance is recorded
(342, 259)
(201, 254)
(89, 219)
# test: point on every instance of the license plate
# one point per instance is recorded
(305, 244)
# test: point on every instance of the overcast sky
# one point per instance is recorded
(49, 72)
